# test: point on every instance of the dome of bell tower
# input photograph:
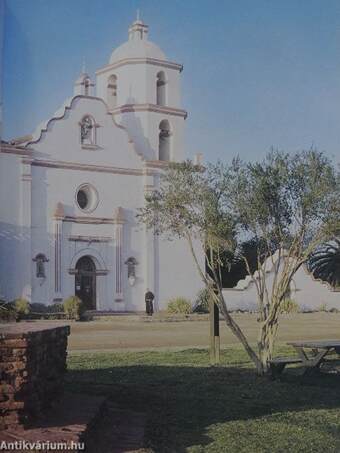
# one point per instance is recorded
(138, 45)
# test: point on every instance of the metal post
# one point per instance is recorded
(217, 333)
(214, 333)
(212, 336)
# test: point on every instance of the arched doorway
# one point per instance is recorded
(85, 282)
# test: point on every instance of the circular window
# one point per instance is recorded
(82, 199)
(87, 198)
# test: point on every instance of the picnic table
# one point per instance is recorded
(309, 353)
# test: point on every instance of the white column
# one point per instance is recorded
(118, 221)
(57, 245)
(150, 265)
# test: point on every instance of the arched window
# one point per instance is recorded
(112, 92)
(86, 87)
(88, 131)
(40, 261)
(161, 89)
(164, 141)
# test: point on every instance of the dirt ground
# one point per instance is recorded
(132, 333)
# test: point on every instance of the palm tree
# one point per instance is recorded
(324, 263)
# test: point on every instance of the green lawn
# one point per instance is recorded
(192, 407)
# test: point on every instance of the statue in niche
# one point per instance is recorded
(87, 131)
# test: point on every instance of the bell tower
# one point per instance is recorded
(142, 90)
(83, 85)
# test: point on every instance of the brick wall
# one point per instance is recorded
(32, 367)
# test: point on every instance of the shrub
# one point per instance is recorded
(22, 306)
(180, 305)
(42, 311)
(289, 306)
(323, 307)
(55, 308)
(202, 301)
(7, 312)
(38, 308)
(73, 307)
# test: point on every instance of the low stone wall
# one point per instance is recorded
(32, 367)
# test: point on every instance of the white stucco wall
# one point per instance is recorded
(310, 294)
(178, 276)
(117, 167)
(143, 129)
(117, 171)
(136, 83)
(15, 232)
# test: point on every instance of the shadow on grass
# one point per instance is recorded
(183, 402)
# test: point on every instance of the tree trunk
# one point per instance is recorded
(266, 343)
(268, 336)
(234, 327)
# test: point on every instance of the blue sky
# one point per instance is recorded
(257, 73)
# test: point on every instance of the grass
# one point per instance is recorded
(192, 407)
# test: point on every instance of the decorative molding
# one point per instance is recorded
(90, 239)
(118, 216)
(13, 149)
(26, 169)
(19, 140)
(57, 255)
(88, 220)
(156, 164)
(87, 167)
(74, 271)
(126, 108)
(27, 160)
(60, 114)
(118, 261)
(59, 212)
(93, 253)
(26, 177)
(149, 187)
(90, 147)
(119, 221)
(151, 61)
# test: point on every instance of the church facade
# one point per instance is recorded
(70, 192)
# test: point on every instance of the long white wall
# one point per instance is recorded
(15, 234)
(310, 294)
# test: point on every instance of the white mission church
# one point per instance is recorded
(70, 191)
